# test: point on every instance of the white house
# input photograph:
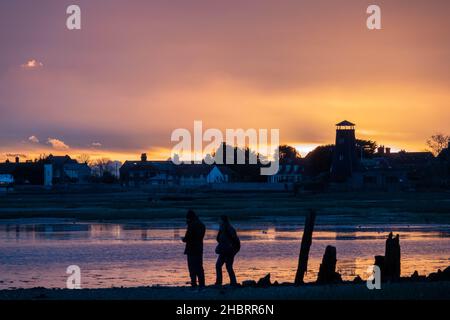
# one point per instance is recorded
(6, 179)
(202, 174)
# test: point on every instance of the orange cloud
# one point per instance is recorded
(57, 144)
(33, 139)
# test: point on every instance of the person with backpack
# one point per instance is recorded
(228, 246)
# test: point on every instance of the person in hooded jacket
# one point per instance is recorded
(228, 246)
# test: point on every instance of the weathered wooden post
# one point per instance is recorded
(392, 257)
(305, 246)
(327, 270)
(389, 264)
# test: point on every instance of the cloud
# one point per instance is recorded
(13, 155)
(33, 139)
(32, 64)
(96, 144)
(57, 144)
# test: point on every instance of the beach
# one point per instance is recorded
(349, 291)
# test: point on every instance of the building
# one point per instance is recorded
(68, 170)
(289, 172)
(145, 172)
(444, 155)
(6, 181)
(345, 159)
(202, 174)
(378, 174)
(53, 169)
(30, 173)
(443, 167)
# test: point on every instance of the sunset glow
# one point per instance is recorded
(118, 89)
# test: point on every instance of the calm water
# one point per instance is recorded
(136, 254)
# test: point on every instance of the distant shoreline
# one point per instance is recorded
(336, 208)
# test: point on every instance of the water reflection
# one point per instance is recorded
(150, 253)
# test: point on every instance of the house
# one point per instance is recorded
(66, 169)
(6, 181)
(202, 174)
(289, 172)
(6, 175)
(28, 172)
(443, 167)
(378, 174)
(145, 172)
(444, 155)
(138, 172)
(53, 169)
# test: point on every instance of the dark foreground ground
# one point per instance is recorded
(392, 291)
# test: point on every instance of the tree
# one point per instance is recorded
(220, 155)
(319, 160)
(248, 171)
(438, 142)
(368, 147)
(102, 165)
(288, 153)
(83, 158)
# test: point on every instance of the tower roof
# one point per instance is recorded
(345, 123)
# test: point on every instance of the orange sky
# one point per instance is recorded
(140, 69)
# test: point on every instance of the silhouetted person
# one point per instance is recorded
(194, 248)
(228, 246)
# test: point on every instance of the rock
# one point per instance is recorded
(327, 270)
(446, 273)
(249, 283)
(264, 281)
(416, 277)
(435, 276)
(440, 275)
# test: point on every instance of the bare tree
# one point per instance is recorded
(438, 142)
(83, 158)
(102, 165)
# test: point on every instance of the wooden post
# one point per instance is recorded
(392, 258)
(327, 270)
(305, 246)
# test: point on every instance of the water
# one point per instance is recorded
(140, 254)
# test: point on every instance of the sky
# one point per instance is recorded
(137, 70)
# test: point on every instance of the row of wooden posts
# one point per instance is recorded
(389, 264)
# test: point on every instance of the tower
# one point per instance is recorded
(344, 155)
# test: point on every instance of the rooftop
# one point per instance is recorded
(345, 123)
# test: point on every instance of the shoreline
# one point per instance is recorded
(332, 208)
(436, 290)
